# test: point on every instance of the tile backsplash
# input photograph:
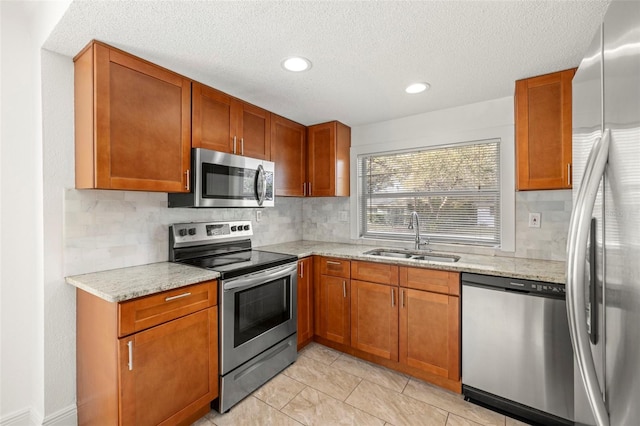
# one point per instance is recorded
(114, 229)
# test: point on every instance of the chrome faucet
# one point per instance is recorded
(419, 242)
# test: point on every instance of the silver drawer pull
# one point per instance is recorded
(331, 262)
(130, 347)
(180, 296)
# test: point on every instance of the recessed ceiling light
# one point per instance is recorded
(417, 88)
(296, 64)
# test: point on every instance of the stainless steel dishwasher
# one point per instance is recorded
(516, 349)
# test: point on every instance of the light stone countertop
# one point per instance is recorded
(118, 285)
(530, 269)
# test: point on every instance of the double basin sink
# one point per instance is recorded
(413, 255)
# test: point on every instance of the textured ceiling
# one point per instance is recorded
(364, 53)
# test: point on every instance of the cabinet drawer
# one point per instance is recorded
(145, 312)
(335, 267)
(444, 282)
(375, 272)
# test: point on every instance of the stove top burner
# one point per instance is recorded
(225, 253)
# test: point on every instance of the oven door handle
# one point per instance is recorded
(260, 278)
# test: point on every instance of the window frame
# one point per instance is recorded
(362, 201)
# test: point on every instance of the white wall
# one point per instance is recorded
(24, 27)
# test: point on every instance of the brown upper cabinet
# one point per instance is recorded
(328, 160)
(289, 153)
(543, 131)
(132, 123)
(223, 123)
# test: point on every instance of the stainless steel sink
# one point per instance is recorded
(415, 255)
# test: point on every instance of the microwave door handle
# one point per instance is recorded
(261, 185)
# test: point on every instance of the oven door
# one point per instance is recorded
(257, 311)
(227, 180)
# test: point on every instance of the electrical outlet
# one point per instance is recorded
(534, 220)
(258, 215)
(344, 216)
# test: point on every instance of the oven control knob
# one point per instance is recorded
(192, 231)
(234, 228)
(246, 227)
(182, 232)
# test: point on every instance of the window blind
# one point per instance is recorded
(455, 190)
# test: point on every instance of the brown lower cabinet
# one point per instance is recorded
(147, 361)
(305, 301)
(409, 320)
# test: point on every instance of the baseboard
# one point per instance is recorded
(66, 417)
(29, 417)
(18, 418)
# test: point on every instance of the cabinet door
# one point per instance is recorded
(288, 152)
(543, 131)
(334, 309)
(305, 302)
(328, 160)
(253, 130)
(168, 371)
(430, 332)
(374, 319)
(211, 119)
(142, 124)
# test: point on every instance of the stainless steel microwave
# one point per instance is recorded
(219, 179)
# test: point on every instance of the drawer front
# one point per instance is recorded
(375, 272)
(335, 267)
(145, 312)
(444, 282)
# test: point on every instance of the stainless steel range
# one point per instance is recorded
(257, 298)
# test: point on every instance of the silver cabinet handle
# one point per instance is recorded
(241, 146)
(304, 189)
(234, 144)
(402, 297)
(393, 297)
(309, 189)
(130, 346)
(179, 296)
(188, 183)
(579, 227)
(344, 289)
(568, 174)
(301, 269)
(331, 262)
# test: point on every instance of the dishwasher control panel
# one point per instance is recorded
(534, 288)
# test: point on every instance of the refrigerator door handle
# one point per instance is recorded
(579, 229)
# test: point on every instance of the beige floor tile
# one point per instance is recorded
(373, 373)
(322, 377)
(394, 407)
(452, 402)
(278, 391)
(454, 420)
(514, 422)
(250, 412)
(312, 408)
(204, 421)
(320, 353)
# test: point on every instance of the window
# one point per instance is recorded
(455, 190)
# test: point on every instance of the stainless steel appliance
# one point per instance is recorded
(257, 303)
(219, 179)
(603, 247)
(516, 351)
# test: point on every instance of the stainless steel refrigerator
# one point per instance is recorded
(603, 250)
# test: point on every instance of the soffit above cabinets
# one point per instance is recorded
(364, 54)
